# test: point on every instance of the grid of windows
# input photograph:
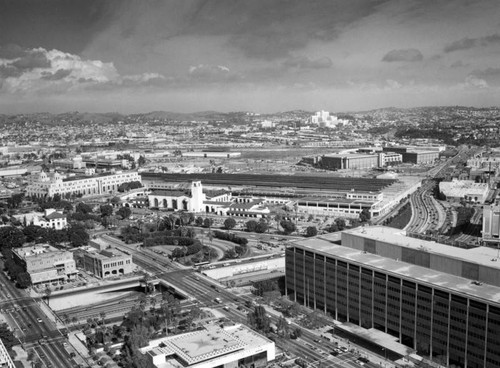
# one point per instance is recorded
(448, 327)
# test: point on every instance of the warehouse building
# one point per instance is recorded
(441, 301)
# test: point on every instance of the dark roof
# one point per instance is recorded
(278, 181)
(55, 215)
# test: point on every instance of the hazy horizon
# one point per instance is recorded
(263, 56)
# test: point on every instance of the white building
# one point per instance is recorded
(224, 346)
(49, 184)
(5, 360)
(187, 197)
(325, 120)
(49, 219)
(467, 190)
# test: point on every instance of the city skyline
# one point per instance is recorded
(262, 56)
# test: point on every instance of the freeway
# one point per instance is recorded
(31, 326)
(235, 307)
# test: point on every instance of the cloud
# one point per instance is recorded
(11, 51)
(475, 82)
(304, 62)
(38, 70)
(210, 73)
(487, 73)
(257, 29)
(458, 64)
(392, 84)
(469, 43)
(59, 74)
(36, 58)
(408, 55)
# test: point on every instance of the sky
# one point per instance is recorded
(133, 56)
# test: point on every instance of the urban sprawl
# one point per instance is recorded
(211, 240)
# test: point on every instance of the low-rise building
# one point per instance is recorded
(49, 219)
(45, 264)
(349, 161)
(467, 190)
(104, 263)
(226, 345)
(49, 184)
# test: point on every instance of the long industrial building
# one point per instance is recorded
(49, 184)
(443, 302)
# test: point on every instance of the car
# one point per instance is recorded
(334, 352)
(39, 320)
(316, 340)
(364, 359)
(343, 349)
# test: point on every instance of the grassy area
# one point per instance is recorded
(402, 218)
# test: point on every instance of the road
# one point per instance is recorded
(32, 327)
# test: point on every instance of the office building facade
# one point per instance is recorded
(441, 301)
(45, 264)
(49, 184)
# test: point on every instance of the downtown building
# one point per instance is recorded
(442, 302)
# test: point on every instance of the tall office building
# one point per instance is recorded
(441, 301)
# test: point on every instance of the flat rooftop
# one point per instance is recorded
(460, 188)
(214, 341)
(479, 255)
(36, 250)
(324, 245)
(337, 200)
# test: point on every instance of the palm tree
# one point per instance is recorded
(103, 317)
(65, 319)
(47, 292)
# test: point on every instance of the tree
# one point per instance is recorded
(47, 292)
(115, 200)
(229, 223)
(11, 237)
(15, 200)
(78, 236)
(341, 224)
(311, 231)
(7, 336)
(251, 225)
(259, 319)
(261, 227)
(141, 161)
(208, 222)
(106, 210)
(288, 226)
(199, 221)
(124, 212)
(364, 216)
(83, 208)
(23, 280)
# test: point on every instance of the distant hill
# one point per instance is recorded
(235, 117)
